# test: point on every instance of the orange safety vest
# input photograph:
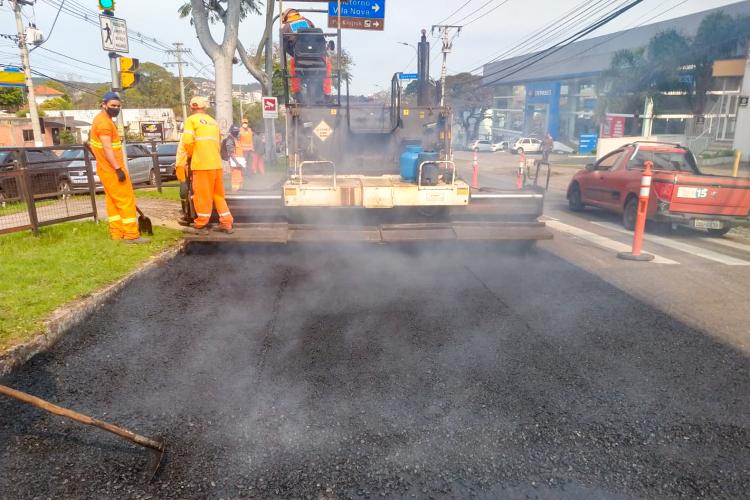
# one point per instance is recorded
(103, 125)
(246, 139)
(297, 84)
(202, 141)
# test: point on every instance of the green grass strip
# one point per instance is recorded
(67, 261)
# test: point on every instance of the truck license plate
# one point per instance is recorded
(691, 192)
(708, 224)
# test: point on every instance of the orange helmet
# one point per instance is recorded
(290, 15)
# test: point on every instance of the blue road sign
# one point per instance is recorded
(587, 143)
(408, 76)
(367, 9)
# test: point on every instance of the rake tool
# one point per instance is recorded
(158, 447)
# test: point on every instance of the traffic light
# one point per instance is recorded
(106, 4)
(128, 72)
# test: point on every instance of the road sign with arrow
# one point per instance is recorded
(358, 15)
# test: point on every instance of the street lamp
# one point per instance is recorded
(415, 50)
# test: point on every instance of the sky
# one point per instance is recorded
(490, 28)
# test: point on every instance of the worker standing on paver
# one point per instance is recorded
(106, 145)
(202, 140)
(246, 141)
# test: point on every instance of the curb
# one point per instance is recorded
(66, 317)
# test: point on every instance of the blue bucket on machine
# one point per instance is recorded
(409, 162)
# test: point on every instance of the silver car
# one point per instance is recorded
(140, 167)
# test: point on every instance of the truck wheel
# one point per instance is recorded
(716, 233)
(574, 199)
(630, 214)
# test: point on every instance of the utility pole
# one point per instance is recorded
(445, 31)
(268, 91)
(35, 126)
(177, 52)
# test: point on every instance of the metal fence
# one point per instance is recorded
(39, 188)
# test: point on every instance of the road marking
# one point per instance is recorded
(600, 240)
(684, 247)
(745, 247)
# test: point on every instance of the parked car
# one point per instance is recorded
(49, 177)
(500, 146)
(140, 167)
(680, 193)
(167, 159)
(527, 145)
(480, 145)
(561, 148)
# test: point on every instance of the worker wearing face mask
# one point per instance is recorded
(106, 145)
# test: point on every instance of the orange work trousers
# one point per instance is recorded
(237, 178)
(259, 164)
(208, 192)
(120, 199)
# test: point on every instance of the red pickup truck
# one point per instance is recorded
(680, 193)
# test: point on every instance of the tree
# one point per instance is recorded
(56, 103)
(671, 63)
(11, 98)
(157, 88)
(203, 13)
(469, 100)
(67, 137)
(719, 36)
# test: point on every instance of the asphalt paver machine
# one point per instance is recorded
(359, 170)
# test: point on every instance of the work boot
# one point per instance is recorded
(138, 241)
(226, 230)
(198, 231)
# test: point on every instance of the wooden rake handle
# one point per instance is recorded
(83, 419)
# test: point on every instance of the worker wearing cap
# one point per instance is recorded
(292, 22)
(246, 141)
(106, 145)
(202, 141)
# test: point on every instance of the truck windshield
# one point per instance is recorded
(677, 161)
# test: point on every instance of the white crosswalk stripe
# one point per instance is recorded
(599, 240)
(682, 246)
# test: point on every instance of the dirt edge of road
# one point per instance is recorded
(67, 317)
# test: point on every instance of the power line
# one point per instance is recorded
(74, 59)
(542, 34)
(455, 11)
(483, 14)
(559, 46)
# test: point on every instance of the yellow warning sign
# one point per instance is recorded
(323, 131)
(406, 112)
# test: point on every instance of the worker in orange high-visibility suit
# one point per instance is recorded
(237, 162)
(202, 140)
(292, 22)
(106, 145)
(246, 141)
(296, 82)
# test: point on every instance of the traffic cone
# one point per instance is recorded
(640, 221)
(519, 174)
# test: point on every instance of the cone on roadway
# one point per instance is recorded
(640, 220)
(475, 172)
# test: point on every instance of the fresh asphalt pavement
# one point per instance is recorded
(403, 371)
(361, 371)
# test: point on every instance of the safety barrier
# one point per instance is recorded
(640, 221)
(38, 187)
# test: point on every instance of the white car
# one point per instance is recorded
(561, 148)
(527, 145)
(501, 146)
(481, 146)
